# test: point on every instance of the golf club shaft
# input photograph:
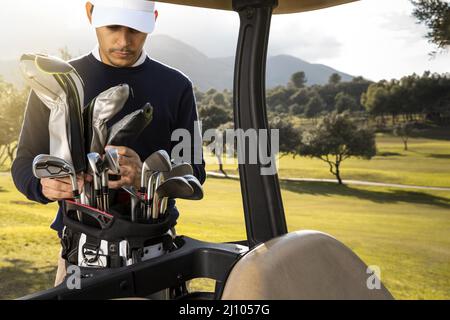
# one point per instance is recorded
(76, 194)
(163, 207)
(105, 191)
(156, 199)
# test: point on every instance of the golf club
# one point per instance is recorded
(176, 187)
(196, 195)
(96, 166)
(50, 92)
(102, 109)
(127, 130)
(71, 82)
(136, 202)
(158, 161)
(47, 166)
(110, 162)
(179, 170)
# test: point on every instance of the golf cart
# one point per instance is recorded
(271, 263)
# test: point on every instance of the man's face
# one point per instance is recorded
(120, 46)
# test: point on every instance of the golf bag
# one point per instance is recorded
(111, 240)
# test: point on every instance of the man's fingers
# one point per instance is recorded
(88, 178)
(125, 181)
(62, 180)
(56, 184)
(57, 195)
(55, 190)
(124, 151)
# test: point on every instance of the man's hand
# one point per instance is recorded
(60, 188)
(130, 168)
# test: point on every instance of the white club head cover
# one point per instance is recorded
(107, 105)
(46, 76)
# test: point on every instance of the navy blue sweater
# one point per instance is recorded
(168, 90)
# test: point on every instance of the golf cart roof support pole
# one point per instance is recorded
(263, 206)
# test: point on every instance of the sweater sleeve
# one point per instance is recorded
(187, 118)
(33, 140)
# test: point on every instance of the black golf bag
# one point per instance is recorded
(111, 240)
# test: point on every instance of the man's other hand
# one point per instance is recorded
(130, 168)
(60, 188)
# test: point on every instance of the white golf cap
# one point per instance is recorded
(135, 14)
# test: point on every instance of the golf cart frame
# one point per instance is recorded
(262, 202)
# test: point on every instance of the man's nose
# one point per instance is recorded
(124, 37)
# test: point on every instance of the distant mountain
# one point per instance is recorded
(281, 67)
(208, 72)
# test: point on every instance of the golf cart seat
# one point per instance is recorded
(301, 265)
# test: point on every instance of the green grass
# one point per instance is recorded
(426, 163)
(404, 232)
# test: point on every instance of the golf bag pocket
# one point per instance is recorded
(109, 240)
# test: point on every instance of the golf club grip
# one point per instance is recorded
(105, 198)
(99, 200)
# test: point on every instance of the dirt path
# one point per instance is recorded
(355, 182)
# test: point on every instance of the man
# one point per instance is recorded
(122, 28)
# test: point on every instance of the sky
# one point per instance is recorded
(377, 39)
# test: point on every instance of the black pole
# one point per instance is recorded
(263, 206)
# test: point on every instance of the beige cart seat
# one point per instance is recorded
(301, 265)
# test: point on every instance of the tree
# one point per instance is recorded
(335, 139)
(212, 117)
(289, 135)
(211, 92)
(344, 102)
(219, 99)
(298, 80)
(12, 107)
(374, 100)
(435, 14)
(404, 131)
(296, 109)
(314, 107)
(300, 97)
(278, 96)
(334, 79)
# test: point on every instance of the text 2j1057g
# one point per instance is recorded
(231, 310)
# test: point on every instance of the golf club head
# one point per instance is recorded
(127, 130)
(54, 65)
(60, 88)
(196, 186)
(179, 170)
(43, 84)
(47, 166)
(104, 107)
(176, 187)
(112, 160)
(95, 167)
(158, 161)
(49, 89)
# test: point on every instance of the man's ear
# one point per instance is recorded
(156, 15)
(89, 10)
